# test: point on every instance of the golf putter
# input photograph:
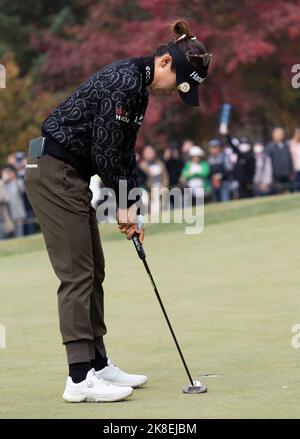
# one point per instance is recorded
(195, 386)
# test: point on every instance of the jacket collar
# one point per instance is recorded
(146, 68)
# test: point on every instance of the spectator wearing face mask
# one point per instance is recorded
(195, 173)
(295, 152)
(263, 170)
(220, 171)
(279, 152)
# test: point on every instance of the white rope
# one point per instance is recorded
(185, 36)
(182, 37)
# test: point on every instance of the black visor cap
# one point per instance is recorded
(187, 76)
(192, 96)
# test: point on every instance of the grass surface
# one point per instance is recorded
(231, 293)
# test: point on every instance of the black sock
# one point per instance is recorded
(99, 362)
(78, 371)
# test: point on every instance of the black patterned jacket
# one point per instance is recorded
(100, 120)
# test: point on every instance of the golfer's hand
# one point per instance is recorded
(131, 229)
(135, 229)
(127, 224)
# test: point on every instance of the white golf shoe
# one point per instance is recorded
(118, 377)
(94, 389)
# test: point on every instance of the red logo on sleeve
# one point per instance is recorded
(122, 114)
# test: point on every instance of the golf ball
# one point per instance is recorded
(197, 383)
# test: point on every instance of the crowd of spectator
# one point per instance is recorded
(16, 215)
(225, 168)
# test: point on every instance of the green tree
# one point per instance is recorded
(21, 109)
(20, 21)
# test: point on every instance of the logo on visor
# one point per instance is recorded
(184, 87)
(196, 77)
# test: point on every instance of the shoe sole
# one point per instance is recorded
(79, 399)
(116, 383)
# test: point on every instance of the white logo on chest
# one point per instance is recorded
(139, 119)
(148, 73)
(122, 114)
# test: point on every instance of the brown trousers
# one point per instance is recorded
(61, 200)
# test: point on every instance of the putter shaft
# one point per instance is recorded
(140, 251)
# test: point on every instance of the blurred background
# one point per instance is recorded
(49, 47)
(232, 292)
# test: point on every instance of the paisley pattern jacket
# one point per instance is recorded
(99, 122)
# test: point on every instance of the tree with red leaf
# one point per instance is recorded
(254, 45)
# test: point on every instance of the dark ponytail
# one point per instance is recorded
(191, 47)
(181, 27)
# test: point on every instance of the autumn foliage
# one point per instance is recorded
(254, 45)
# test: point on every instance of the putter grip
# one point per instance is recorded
(138, 246)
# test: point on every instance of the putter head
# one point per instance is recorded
(196, 388)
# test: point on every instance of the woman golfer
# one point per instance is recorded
(94, 132)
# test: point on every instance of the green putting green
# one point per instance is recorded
(232, 295)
